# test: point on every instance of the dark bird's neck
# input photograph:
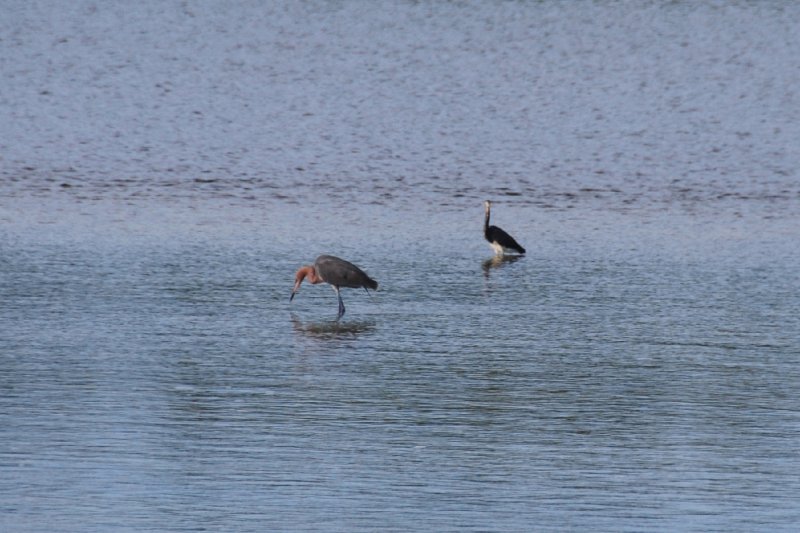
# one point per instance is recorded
(486, 222)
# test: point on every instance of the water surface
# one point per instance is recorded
(166, 168)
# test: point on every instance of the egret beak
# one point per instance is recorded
(299, 277)
(295, 289)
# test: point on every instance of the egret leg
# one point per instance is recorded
(341, 303)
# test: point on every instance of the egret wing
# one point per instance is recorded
(498, 235)
(342, 273)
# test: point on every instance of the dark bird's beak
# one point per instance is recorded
(291, 297)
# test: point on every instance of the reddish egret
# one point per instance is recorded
(500, 241)
(336, 272)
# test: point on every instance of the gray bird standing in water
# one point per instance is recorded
(337, 273)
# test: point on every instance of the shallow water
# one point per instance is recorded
(171, 385)
(166, 169)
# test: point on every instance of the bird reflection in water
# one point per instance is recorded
(498, 261)
(331, 329)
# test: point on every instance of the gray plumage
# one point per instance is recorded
(337, 273)
(341, 273)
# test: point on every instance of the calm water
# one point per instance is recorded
(164, 170)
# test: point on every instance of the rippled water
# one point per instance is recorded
(166, 168)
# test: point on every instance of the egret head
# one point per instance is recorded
(302, 273)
